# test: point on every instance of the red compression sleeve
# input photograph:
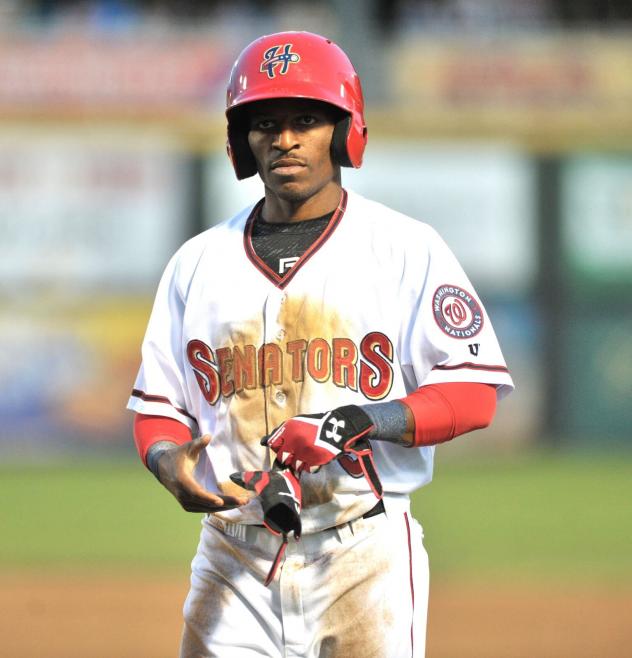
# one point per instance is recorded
(151, 429)
(443, 411)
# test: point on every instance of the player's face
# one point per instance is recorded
(290, 140)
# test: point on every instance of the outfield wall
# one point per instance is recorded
(518, 151)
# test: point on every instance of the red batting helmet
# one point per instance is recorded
(296, 65)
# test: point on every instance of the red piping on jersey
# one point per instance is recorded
(147, 397)
(412, 586)
(473, 366)
(282, 281)
(443, 411)
(151, 429)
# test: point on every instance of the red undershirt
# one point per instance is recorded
(441, 412)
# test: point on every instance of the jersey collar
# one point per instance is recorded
(281, 280)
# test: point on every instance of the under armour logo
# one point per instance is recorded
(474, 348)
(333, 433)
(273, 58)
(286, 263)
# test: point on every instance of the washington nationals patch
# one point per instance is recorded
(457, 311)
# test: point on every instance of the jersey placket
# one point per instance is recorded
(277, 390)
(279, 402)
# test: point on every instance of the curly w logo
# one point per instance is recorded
(278, 56)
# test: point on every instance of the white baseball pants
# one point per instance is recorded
(358, 590)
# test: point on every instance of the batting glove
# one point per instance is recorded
(280, 493)
(310, 441)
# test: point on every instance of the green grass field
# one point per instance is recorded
(541, 516)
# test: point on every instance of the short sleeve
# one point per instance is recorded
(448, 337)
(160, 386)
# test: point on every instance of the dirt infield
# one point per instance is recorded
(55, 616)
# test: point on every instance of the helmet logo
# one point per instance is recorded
(273, 58)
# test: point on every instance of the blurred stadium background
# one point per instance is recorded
(506, 124)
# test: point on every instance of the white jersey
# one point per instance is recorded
(377, 307)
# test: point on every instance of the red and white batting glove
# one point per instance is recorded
(305, 443)
(280, 493)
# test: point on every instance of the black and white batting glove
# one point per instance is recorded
(280, 493)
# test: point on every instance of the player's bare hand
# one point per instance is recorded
(176, 473)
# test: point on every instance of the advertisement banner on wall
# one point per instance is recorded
(151, 73)
(515, 73)
(87, 228)
(80, 215)
(66, 371)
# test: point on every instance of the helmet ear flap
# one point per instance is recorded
(339, 151)
(244, 161)
(240, 153)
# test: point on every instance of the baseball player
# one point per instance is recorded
(302, 360)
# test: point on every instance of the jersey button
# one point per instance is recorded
(280, 397)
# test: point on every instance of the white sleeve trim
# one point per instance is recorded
(476, 373)
(159, 405)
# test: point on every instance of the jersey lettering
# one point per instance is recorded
(296, 349)
(229, 370)
(270, 365)
(202, 361)
(319, 360)
(376, 372)
(225, 363)
(244, 367)
(345, 357)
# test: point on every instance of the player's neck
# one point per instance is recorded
(284, 209)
